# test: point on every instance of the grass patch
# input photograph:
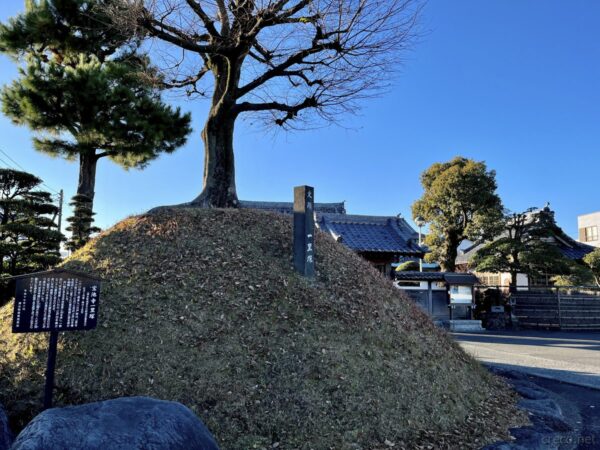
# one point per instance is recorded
(203, 307)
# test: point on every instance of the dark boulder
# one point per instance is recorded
(6, 436)
(122, 424)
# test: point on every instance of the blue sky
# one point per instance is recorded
(513, 83)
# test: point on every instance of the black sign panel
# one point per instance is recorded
(55, 301)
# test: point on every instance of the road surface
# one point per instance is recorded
(571, 357)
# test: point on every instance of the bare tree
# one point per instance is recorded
(282, 59)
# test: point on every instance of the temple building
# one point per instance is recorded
(384, 241)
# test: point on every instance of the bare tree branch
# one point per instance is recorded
(293, 63)
(206, 20)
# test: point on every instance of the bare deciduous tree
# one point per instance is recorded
(279, 58)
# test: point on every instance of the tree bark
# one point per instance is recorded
(219, 189)
(88, 161)
(448, 264)
(514, 273)
(219, 166)
(513, 282)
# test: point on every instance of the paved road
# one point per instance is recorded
(572, 357)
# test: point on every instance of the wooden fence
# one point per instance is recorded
(559, 309)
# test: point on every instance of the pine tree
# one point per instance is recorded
(29, 238)
(80, 222)
(524, 246)
(81, 90)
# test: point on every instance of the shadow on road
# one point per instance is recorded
(561, 339)
(584, 379)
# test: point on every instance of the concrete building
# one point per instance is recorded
(589, 226)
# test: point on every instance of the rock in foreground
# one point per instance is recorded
(121, 424)
(6, 437)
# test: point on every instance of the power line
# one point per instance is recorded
(23, 169)
(8, 156)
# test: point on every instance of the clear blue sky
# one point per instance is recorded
(513, 83)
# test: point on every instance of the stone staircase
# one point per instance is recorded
(460, 326)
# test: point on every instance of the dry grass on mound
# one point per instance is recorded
(203, 307)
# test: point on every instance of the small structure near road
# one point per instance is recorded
(447, 297)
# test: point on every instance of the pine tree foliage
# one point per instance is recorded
(592, 261)
(579, 274)
(525, 246)
(84, 89)
(29, 237)
(408, 266)
(80, 223)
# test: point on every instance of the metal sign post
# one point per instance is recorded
(49, 386)
(304, 230)
(54, 301)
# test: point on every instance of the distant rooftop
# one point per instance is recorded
(374, 234)
(448, 277)
(595, 213)
(288, 207)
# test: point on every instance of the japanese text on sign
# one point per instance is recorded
(55, 302)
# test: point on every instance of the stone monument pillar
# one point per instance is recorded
(304, 230)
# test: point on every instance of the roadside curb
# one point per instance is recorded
(538, 372)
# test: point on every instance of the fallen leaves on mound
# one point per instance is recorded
(203, 307)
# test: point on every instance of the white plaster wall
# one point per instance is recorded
(589, 220)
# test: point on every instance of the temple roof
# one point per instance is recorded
(372, 233)
(378, 234)
(288, 207)
(448, 277)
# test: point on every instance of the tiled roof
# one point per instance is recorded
(288, 207)
(372, 233)
(419, 276)
(359, 233)
(575, 250)
(449, 277)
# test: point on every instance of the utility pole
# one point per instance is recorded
(60, 209)
(420, 223)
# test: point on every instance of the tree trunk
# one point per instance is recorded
(13, 266)
(87, 175)
(514, 273)
(513, 282)
(219, 169)
(448, 263)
